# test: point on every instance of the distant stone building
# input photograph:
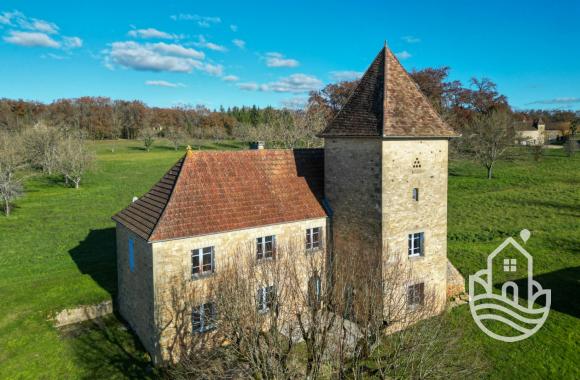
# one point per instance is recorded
(376, 193)
(540, 133)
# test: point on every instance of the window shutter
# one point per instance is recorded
(213, 262)
(131, 255)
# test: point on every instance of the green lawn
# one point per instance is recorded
(57, 251)
(544, 198)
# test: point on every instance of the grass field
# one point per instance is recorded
(57, 251)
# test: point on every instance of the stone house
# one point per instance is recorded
(540, 133)
(376, 194)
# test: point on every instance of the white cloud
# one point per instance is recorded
(152, 33)
(158, 57)
(295, 83)
(31, 39)
(234, 28)
(43, 26)
(403, 54)
(6, 18)
(32, 32)
(411, 39)
(202, 42)
(19, 20)
(53, 56)
(569, 100)
(345, 75)
(163, 83)
(249, 86)
(203, 21)
(277, 60)
(239, 43)
(294, 103)
(72, 42)
(176, 49)
(230, 78)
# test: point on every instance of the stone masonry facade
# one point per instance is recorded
(136, 288)
(158, 264)
(378, 191)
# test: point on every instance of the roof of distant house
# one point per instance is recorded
(387, 103)
(210, 192)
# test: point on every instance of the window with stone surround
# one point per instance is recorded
(415, 295)
(313, 238)
(416, 244)
(202, 261)
(265, 298)
(203, 317)
(265, 247)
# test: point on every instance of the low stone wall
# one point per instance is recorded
(455, 282)
(83, 313)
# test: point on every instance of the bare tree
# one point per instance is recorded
(41, 143)
(571, 144)
(12, 159)
(148, 136)
(175, 135)
(74, 160)
(267, 309)
(489, 136)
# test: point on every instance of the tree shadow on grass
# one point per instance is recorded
(96, 256)
(106, 348)
(565, 288)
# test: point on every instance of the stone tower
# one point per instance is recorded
(386, 181)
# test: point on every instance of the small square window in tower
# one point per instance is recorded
(417, 163)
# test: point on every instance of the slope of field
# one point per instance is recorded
(58, 251)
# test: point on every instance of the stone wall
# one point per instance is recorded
(172, 262)
(455, 282)
(353, 190)
(420, 164)
(136, 289)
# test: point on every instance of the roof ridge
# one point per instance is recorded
(386, 69)
(187, 154)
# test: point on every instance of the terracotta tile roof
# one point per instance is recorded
(209, 192)
(387, 103)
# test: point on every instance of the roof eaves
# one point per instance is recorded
(188, 153)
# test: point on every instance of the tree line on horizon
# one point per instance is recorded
(51, 137)
(104, 118)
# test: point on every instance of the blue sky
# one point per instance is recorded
(271, 53)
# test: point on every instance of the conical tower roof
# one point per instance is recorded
(387, 103)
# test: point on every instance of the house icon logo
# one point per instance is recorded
(502, 317)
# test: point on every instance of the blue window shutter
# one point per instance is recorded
(131, 255)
